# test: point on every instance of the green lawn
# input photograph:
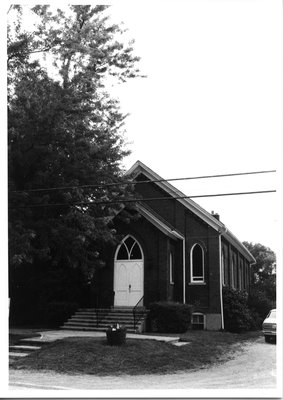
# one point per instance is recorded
(93, 355)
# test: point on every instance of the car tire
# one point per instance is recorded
(267, 339)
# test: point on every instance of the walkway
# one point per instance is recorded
(51, 336)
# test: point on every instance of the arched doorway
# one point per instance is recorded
(128, 273)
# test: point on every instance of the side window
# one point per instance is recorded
(197, 264)
(198, 321)
(232, 274)
(171, 268)
(235, 273)
(241, 275)
(223, 267)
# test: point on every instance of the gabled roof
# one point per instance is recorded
(140, 168)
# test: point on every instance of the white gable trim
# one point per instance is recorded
(139, 167)
(159, 224)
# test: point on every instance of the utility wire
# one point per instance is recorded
(99, 202)
(102, 185)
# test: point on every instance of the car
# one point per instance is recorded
(269, 326)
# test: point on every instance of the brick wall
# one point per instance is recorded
(157, 247)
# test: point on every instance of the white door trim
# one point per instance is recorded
(126, 295)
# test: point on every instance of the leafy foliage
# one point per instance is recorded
(65, 131)
(265, 261)
(263, 287)
(56, 313)
(260, 305)
(34, 288)
(237, 316)
(170, 317)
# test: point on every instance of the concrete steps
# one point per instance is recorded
(24, 348)
(21, 350)
(90, 319)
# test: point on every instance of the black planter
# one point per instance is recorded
(116, 337)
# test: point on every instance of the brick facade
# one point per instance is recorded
(172, 225)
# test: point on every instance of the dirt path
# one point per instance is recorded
(252, 368)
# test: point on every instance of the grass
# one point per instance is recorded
(93, 356)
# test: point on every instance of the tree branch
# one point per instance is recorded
(28, 52)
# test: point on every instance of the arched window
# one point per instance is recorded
(197, 264)
(129, 250)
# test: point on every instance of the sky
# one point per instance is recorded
(211, 104)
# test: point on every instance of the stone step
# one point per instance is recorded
(87, 319)
(24, 348)
(110, 310)
(107, 318)
(13, 354)
(92, 313)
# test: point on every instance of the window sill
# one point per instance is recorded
(197, 283)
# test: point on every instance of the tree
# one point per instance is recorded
(265, 265)
(262, 296)
(65, 131)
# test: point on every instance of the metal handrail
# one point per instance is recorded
(99, 312)
(97, 316)
(135, 312)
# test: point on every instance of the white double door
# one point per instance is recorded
(128, 282)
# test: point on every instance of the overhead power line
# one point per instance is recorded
(102, 185)
(100, 202)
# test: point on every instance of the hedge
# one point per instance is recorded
(169, 317)
(259, 305)
(237, 315)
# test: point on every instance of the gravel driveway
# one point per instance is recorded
(254, 367)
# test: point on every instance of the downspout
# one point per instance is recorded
(184, 266)
(184, 271)
(221, 231)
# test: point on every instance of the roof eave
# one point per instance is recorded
(172, 233)
(139, 167)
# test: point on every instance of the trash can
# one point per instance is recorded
(116, 335)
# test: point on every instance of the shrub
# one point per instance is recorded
(259, 305)
(237, 316)
(57, 312)
(169, 317)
